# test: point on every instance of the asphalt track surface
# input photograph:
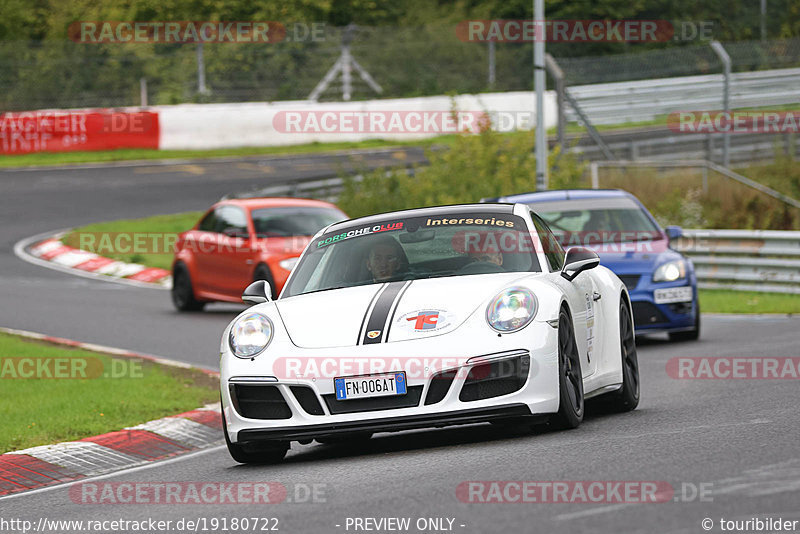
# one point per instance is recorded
(739, 439)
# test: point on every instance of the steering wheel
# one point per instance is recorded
(481, 267)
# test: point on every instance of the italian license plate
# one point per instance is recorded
(362, 387)
(673, 294)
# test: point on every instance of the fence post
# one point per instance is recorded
(492, 77)
(201, 70)
(634, 150)
(726, 99)
(595, 178)
(143, 92)
(705, 178)
(710, 148)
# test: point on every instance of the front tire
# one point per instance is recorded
(270, 452)
(182, 291)
(262, 272)
(570, 377)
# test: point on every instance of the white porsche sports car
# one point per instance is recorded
(426, 318)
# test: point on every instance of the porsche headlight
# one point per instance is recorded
(511, 310)
(671, 271)
(250, 335)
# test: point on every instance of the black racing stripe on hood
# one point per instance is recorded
(394, 310)
(380, 312)
(361, 331)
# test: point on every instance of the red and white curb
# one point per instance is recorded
(47, 250)
(49, 465)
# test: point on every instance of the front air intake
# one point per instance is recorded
(259, 402)
(494, 379)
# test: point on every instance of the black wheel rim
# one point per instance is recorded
(570, 365)
(630, 363)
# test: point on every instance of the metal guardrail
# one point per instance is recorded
(746, 260)
(664, 144)
(637, 101)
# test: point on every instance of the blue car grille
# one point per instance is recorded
(630, 280)
(645, 313)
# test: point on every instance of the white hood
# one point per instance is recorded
(418, 309)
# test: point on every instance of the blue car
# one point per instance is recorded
(661, 281)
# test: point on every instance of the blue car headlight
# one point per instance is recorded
(250, 335)
(511, 310)
(670, 271)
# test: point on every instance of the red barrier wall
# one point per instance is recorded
(68, 130)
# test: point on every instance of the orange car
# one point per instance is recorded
(241, 240)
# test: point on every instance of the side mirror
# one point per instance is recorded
(674, 232)
(577, 260)
(257, 292)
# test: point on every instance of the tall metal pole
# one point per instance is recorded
(347, 73)
(763, 20)
(558, 75)
(538, 83)
(726, 100)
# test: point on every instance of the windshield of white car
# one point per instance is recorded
(293, 221)
(415, 248)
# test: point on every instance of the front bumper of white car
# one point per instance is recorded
(455, 378)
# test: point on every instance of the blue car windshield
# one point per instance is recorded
(578, 222)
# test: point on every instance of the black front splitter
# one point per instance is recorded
(385, 424)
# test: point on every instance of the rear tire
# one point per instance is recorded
(627, 398)
(270, 452)
(689, 335)
(570, 377)
(182, 290)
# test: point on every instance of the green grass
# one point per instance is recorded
(90, 237)
(39, 411)
(66, 158)
(727, 301)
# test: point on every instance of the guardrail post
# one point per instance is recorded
(593, 168)
(726, 99)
